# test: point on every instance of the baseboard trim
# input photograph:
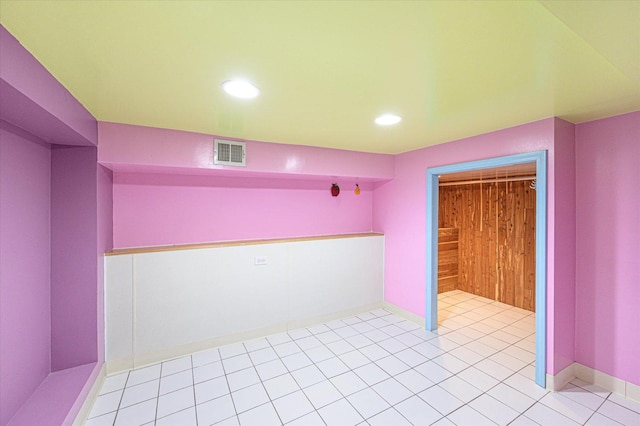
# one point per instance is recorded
(560, 380)
(401, 312)
(598, 378)
(303, 323)
(632, 392)
(118, 365)
(140, 360)
(154, 357)
(607, 382)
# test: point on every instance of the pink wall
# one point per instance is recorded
(608, 246)
(399, 210)
(24, 269)
(167, 190)
(145, 149)
(152, 209)
(74, 265)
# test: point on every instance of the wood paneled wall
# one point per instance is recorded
(496, 242)
(447, 259)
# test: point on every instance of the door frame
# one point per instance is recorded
(433, 183)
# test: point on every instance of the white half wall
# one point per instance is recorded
(166, 304)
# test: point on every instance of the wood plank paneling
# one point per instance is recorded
(527, 296)
(496, 223)
(447, 284)
(447, 259)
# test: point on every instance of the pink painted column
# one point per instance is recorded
(25, 258)
(563, 292)
(608, 245)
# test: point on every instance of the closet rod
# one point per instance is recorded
(469, 182)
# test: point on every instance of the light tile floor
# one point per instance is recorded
(374, 368)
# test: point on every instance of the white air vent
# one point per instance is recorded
(229, 153)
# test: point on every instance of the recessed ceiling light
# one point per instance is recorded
(240, 89)
(388, 119)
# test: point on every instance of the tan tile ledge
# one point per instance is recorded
(176, 247)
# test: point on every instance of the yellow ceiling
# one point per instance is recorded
(327, 69)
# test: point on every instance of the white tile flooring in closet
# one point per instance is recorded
(374, 368)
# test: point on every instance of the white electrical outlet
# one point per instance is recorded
(260, 260)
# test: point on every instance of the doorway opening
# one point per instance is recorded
(524, 165)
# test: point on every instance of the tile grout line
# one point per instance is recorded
(115, 418)
(155, 419)
(393, 336)
(193, 385)
(538, 400)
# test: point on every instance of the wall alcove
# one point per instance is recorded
(492, 213)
